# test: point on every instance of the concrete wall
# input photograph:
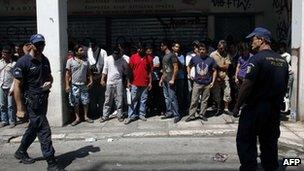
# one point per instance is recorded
(52, 23)
(297, 55)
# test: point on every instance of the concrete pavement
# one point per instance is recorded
(292, 134)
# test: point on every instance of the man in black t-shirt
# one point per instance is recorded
(167, 81)
(260, 98)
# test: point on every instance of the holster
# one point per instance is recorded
(36, 101)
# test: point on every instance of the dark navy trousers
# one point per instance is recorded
(38, 127)
(262, 121)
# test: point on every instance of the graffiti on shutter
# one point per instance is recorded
(16, 31)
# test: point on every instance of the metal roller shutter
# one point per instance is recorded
(237, 26)
(153, 30)
(86, 27)
(16, 31)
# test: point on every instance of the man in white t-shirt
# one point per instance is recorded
(287, 56)
(112, 77)
(96, 57)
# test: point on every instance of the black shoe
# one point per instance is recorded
(166, 117)
(190, 118)
(177, 119)
(52, 164)
(202, 117)
(23, 157)
(218, 112)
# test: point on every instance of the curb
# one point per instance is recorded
(149, 134)
(91, 137)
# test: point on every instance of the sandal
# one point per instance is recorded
(76, 122)
(89, 120)
(103, 119)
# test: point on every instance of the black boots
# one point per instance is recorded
(52, 164)
(23, 157)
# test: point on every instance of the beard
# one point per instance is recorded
(142, 54)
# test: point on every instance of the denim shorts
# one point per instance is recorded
(79, 93)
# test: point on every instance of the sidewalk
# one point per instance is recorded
(292, 134)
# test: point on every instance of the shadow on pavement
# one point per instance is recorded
(281, 167)
(66, 159)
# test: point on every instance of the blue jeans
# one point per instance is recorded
(7, 107)
(171, 100)
(138, 94)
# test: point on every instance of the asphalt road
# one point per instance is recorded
(171, 154)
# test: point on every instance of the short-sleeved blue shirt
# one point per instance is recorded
(203, 69)
(269, 72)
(33, 73)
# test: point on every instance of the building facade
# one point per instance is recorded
(129, 21)
(112, 21)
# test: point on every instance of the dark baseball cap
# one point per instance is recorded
(260, 32)
(37, 38)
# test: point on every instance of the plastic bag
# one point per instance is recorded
(91, 58)
(128, 96)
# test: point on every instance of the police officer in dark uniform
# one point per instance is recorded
(33, 80)
(260, 98)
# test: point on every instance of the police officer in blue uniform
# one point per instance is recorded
(32, 81)
(260, 99)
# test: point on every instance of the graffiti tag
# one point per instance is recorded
(243, 4)
(280, 6)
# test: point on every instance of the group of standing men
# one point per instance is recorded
(261, 93)
(119, 72)
(143, 72)
(263, 79)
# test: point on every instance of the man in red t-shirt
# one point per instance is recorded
(141, 66)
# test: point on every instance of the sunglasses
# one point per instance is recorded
(39, 44)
